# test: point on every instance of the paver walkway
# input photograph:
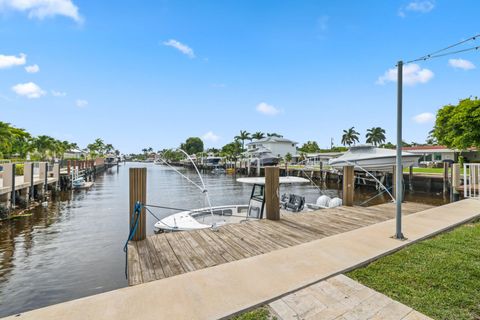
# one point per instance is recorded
(341, 298)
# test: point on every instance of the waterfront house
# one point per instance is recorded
(75, 154)
(277, 146)
(314, 159)
(437, 154)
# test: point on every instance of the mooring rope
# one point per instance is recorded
(136, 213)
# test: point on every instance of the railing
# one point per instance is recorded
(471, 178)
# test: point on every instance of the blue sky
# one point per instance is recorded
(153, 73)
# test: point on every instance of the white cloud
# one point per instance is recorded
(426, 117)
(41, 9)
(29, 90)
(461, 64)
(412, 74)
(32, 69)
(183, 48)
(420, 6)
(11, 61)
(58, 93)
(210, 137)
(81, 103)
(267, 109)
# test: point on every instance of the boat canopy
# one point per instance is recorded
(367, 152)
(283, 180)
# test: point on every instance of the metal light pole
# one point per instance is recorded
(399, 169)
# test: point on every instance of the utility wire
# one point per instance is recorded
(438, 53)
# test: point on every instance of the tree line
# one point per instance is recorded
(17, 143)
(456, 126)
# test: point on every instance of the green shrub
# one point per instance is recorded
(19, 169)
(461, 160)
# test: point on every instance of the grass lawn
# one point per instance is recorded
(262, 313)
(428, 170)
(439, 277)
(425, 170)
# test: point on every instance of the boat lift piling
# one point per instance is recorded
(138, 193)
(272, 196)
(348, 185)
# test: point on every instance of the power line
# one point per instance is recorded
(438, 53)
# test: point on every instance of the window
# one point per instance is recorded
(437, 156)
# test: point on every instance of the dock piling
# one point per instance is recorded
(138, 192)
(455, 181)
(272, 200)
(9, 181)
(445, 177)
(348, 185)
(28, 178)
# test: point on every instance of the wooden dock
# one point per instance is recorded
(164, 255)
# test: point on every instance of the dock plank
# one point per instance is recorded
(170, 263)
(134, 268)
(169, 254)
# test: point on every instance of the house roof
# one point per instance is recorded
(272, 140)
(426, 148)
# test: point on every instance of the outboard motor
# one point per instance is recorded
(323, 201)
(335, 202)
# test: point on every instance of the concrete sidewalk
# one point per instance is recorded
(230, 288)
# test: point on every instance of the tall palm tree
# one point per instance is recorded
(274, 134)
(244, 135)
(376, 136)
(258, 135)
(109, 148)
(45, 145)
(350, 136)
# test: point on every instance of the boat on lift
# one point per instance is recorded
(371, 158)
(213, 217)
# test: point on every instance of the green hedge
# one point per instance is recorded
(19, 169)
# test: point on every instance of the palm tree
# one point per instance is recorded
(376, 136)
(45, 145)
(275, 135)
(258, 135)
(244, 135)
(109, 148)
(350, 136)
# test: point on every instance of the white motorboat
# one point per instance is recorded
(213, 217)
(78, 183)
(371, 158)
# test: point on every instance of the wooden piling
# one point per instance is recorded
(410, 178)
(272, 201)
(348, 185)
(9, 180)
(455, 181)
(445, 177)
(138, 192)
(28, 178)
(68, 167)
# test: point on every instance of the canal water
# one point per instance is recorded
(73, 247)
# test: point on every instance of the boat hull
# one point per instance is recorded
(376, 164)
(202, 218)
